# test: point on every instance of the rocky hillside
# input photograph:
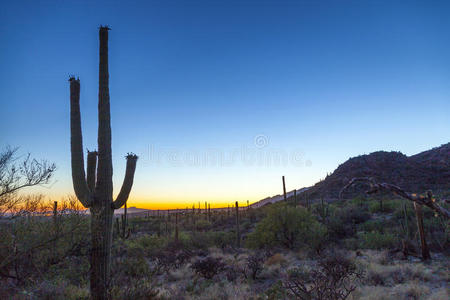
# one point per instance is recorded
(417, 173)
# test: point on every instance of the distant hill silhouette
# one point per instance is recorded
(417, 173)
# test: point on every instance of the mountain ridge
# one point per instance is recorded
(429, 169)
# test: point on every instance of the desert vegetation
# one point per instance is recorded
(370, 246)
(350, 249)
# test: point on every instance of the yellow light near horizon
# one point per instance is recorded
(183, 204)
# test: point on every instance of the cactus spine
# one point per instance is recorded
(95, 189)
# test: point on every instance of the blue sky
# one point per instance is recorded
(314, 81)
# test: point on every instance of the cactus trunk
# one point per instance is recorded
(101, 237)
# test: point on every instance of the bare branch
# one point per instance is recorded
(427, 200)
(15, 175)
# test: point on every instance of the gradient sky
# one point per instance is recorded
(210, 93)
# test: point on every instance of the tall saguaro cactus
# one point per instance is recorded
(95, 189)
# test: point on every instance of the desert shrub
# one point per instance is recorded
(73, 269)
(146, 245)
(438, 234)
(287, 227)
(378, 225)
(31, 246)
(232, 273)
(385, 206)
(208, 267)
(342, 222)
(202, 225)
(142, 288)
(57, 289)
(276, 291)
(204, 240)
(334, 277)
(171, 257)
(360, 201)
(222, 239)
(255, 264)
(377, 240)
(277, 258)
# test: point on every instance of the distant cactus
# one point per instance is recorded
(238, 233)
(176, 226)
(158, 224)
(323, 211)
(122, 227)
(209, 212)
(95, 189)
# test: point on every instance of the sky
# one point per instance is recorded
(219, 99)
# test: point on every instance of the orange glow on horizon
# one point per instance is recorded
(178, 204)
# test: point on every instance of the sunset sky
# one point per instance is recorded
(219, 99)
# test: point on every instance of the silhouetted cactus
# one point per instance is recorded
(176, 226)
(95, 189)
(209, 212)
(122, 227)
(238, 233)
(158, 224)
(323, 211)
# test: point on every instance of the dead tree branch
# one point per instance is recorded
(427, 200)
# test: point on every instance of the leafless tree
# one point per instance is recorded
(18, 173)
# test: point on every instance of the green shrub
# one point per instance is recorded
(342, 221)
(386, 206)
(377, 240)
(288, 227)
(203, 225)
(144, 246)
(374, 225)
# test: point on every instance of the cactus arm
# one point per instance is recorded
(91, 169)
(76, 145)
(127, 181)
(104, 174)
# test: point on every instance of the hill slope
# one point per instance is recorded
(417, 173)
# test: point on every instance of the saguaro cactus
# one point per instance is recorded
(238, 232)
(176, 226)
(122, 227)
(95, 189)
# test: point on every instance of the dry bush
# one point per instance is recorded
(275, 259)
(334, 277)
(208, 267)
(255, 265)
